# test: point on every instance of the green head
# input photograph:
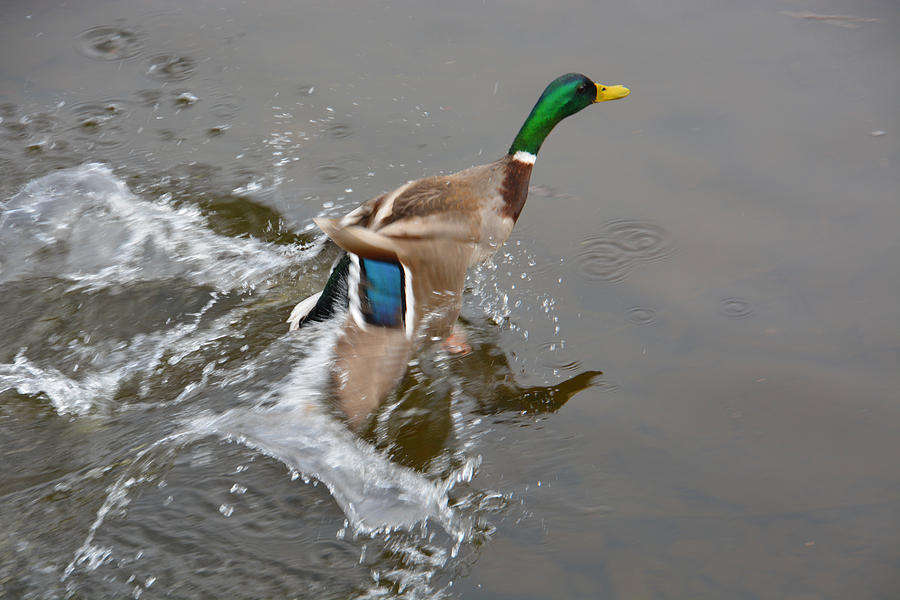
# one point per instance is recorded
(564, 96)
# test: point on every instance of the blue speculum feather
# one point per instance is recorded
(382, 286)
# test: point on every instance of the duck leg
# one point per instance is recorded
(457, 342)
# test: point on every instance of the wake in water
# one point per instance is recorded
(88, 238)
(131, 310)
(84, 225)
(83, 233)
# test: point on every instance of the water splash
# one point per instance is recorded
(83, 230)
(97, 368)
(84, 225)
(68, 395)
(90, 556)
(290, 421)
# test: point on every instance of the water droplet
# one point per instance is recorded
(398, 121)
(185, 98)
(217, 130)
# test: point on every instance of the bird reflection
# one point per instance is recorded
(418, 426)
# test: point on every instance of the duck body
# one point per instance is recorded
(406, 253)
(478, 206)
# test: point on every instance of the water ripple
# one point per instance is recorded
(92, 116)
(330, 173)
(640, 315)
(338, 130)
(171, 67)
(644, 240)
(15, 130)
(735, 307)
(101, 121)
(8, 110)
(225, 110)
(604, 259)
(41, 122)
(110, 43)
(29, 126)
(150, 98)
(338, 169)
(609, 255)
(554, 356)
(8, 167)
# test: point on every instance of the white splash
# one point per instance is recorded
(294, 425)
(67, 395)
(105, 364)
(84, 227)
(84, 224)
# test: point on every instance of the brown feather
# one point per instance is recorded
(515, 188)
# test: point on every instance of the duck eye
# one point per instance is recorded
(583, 88)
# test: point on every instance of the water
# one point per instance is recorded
(721, 245)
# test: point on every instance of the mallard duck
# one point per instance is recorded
(406, 253)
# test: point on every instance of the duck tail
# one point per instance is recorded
(325, 304)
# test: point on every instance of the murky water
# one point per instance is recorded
(722, 245)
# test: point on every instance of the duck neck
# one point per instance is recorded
(535, 129)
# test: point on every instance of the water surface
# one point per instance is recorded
(721, 246)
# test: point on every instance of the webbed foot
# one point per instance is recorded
(457, 342)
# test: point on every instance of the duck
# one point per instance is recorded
(398, 282)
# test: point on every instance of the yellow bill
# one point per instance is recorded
(611, 92)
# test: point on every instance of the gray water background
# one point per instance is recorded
(723, 245)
